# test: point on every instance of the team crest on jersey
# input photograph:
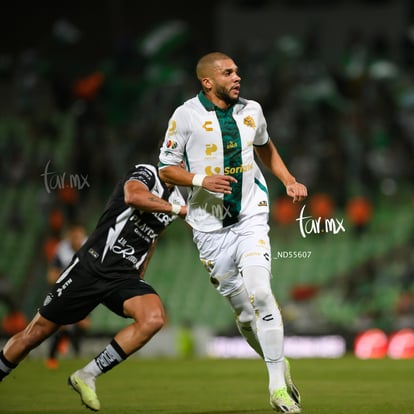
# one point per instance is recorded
(249, 121)
(48, 299)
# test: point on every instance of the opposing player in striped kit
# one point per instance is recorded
(217, 134)
(108, 269)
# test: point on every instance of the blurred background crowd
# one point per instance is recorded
(86, 90)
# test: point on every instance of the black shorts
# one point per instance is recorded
(78, 291)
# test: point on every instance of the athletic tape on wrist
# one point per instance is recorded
(175, 209)
(198, 180)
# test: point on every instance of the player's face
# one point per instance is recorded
(226, 84)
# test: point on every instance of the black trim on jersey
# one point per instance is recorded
(262, 145)
(145, 175)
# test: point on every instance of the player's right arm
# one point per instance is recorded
(176, 175)
(171, 157)
(137, 195)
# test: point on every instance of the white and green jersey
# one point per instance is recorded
(214, 141)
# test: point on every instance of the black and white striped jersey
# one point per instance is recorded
(123, 235)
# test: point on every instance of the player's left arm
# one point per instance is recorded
(137, 195)
(270, 157)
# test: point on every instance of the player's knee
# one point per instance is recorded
(154, 321)
(262, 298)
(158, 321)
(245, 317)
(257, 282)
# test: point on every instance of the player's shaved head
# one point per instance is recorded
(207, 64)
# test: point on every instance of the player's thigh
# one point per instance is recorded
(253, 249)
(217, 252)
(129, 295)
(144, 308)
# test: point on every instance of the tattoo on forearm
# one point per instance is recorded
(157, 200)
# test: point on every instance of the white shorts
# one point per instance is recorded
(226, 252)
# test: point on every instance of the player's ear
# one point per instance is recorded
(206, 83)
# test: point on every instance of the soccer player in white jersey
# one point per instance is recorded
(217, 134)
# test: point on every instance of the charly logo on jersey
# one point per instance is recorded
(249, 121)
(207, 126)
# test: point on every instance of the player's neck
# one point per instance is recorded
(220, 103)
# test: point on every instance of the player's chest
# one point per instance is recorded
(214, 135)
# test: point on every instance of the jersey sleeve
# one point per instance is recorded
(262, 135)
(142, 173)
(173, 148)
